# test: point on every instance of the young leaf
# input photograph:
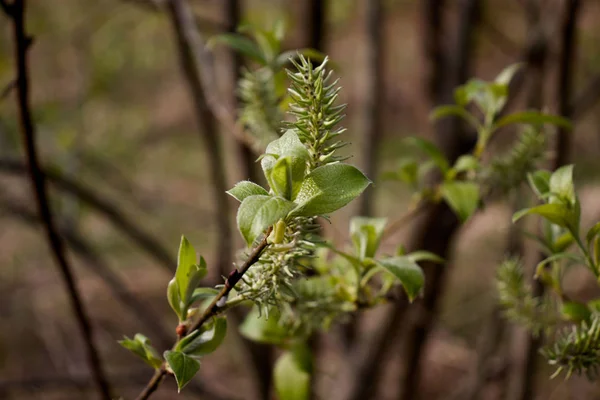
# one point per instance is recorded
(239, 43)
(140, 346)
(280, 178)
(174, 299)
(561, 184)
(287, 146)
(456, 111)
(203, 293)
(592, 233)
(432, 151)
(262, 329)
(257, 213)
(422, 255)
(189, 273)
(540, 182)
(557, 214)
(462, 197)
(575, 312)
(292, 374)
(507, 74)
(366, 234)
(329, 188)
(466, 163)
(204, 341)
(533, 118)
(183, 366)
(408, 273)
(243, 189)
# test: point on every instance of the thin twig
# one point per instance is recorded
(402, 221)
(437, 240)
(194, 59)
(80, 246)
(38, 182)
(7, 89)
(101, 204)
(373, 99)
(212, 310)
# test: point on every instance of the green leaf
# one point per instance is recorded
(293, 170)
(432, 151)
(408, 273)
(189, 273)
(257, 213)
(508, 73)
(204, 340)
(174, 299)
(244, 189)
(140, 346)
(592, 233)
(533, 118)
(263, 329)
(561, 184)
(563, 242)
(329, 188)
(557, 214)
(183, 366)
(575, 312)
(241, 44)
(453, 111)
(292, 374)
(203, 293)
(422, 255)
(539, 182)
(466, 163)
(281, 179)
(366, 234)
(462, 197)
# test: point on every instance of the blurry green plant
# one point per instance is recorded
(574, 348)
(296, 282)
(262, 87)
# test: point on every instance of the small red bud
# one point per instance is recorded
(181, 330)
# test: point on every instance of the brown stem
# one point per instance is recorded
(194, 59)
(80, 246)
(101, 204)
(38, 182)
(396, 225)
(525, 387)
(373, 98)
(213, 309)
(437, 240)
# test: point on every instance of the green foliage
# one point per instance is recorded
(407, 272)
(187, 278)
(574, 349)
(183, 367)
(140, 346)
(577, 349)
(204, 340)
(292, 374)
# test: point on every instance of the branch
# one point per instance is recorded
(373, 99)
(7, 8)
(526, 387)
(81, 247)
(38, 183)
(144, 240)
(213, 309)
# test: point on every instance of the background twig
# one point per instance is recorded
(38, 182)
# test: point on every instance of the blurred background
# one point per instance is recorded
(129, 170)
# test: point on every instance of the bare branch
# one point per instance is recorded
(38, 182)
(150, 244)
(80, 246)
